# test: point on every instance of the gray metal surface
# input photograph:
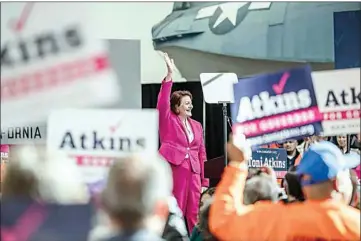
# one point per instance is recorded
(287, 31)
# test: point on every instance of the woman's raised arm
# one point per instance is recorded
(163, 104)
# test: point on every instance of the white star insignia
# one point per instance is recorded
(229, 11)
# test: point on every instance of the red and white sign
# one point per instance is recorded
(49, 60)
(93, 138)
(339, 100)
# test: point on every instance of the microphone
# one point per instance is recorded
(230, 121)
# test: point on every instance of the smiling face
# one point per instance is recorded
(181, 103)
(185, 107)
(342, 141)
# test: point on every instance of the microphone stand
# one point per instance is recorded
(226, 121)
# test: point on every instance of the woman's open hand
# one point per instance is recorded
(170, 66)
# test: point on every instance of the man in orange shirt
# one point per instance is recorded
(320, 217)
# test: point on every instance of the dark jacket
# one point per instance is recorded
(175, 229)
(294, 160)
(196, 235)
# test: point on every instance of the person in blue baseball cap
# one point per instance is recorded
(323, 162)
(321, 169)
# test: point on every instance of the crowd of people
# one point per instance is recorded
(166, 196)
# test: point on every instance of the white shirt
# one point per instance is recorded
(190, 134)
(189, 131)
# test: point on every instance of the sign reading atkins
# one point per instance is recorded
(97, 142)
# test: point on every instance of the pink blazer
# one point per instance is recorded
(173, 138)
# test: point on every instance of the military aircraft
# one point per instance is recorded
(248, 37)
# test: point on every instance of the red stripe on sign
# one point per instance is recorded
(46, 79)
(280, 174)
(280, 122)
(342, 115)
(85, 160)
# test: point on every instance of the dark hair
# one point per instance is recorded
(204, 222)
(176, 98)
(293, 184)
(210, 191)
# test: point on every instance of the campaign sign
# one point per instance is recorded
(93, 138)
(23, 135)
(53, 61)
(275, 158)
(29, 221)
(277, 106)
(339, 100)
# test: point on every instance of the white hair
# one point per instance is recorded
(61, 181)
(160, 183)
(157, 187)
(58, 177)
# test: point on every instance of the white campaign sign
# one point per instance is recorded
(338, 98)
(95, 137)
(50, 61)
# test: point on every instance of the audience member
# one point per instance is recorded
(197, 234)
(32, 175)
(292, 186)
(261, 187)
(318, 171)
(341, 141)
(136, 197)
(204, 222)
(175, 228)
(293, 155)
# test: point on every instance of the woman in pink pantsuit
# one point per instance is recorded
(182, 145)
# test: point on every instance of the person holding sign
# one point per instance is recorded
(182, 145)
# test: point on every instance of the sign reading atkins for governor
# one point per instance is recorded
(339, 100)
(277, 106)
(93, 138)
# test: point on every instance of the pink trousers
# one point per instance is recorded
(187, 191)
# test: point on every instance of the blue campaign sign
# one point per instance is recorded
(277, 106)
(347, 39)
(275, 158)
(30, 221)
